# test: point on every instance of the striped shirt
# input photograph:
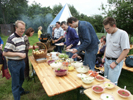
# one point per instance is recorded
(27, 43)
(58, 32)
(15, 43)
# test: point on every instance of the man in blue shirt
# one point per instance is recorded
(89, 41)
(71, 36)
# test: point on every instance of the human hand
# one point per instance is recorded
(103, 60)
(75, 55)
(55, 40)
(74, 51)
(22, 55)
(79, 57)
(1, 47)
(68, 47)
(113, 65)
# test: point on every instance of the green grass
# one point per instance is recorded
(37, 92)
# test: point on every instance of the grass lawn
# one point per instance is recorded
(38, 93)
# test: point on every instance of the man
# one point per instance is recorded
(89, 41)
(117, 48)
(72, 38)
(58, 35)
(15, 52)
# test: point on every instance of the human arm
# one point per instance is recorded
(1, 43)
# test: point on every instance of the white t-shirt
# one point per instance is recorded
(116, 43)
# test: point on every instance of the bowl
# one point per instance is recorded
(77, 64)
(56, 65)
(92, 73)
(70, 68)
(99, 78)
(82, 69)
(63, 56)
(60, 72)
(70, 60)
(50, 61)
(87, 80)
(109, 85)
(97, 89)
(81, 75)
(123, 93)
(106, 96)
(65, 63)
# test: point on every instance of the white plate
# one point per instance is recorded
(69, 50)
(59, 44)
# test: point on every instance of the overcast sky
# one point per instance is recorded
(87, 7)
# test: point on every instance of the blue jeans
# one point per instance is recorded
(17, 73)
(90, 58)
(112, 74)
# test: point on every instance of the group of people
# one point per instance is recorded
(116, 46)
(113, 47)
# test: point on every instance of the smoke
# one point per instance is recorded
(37, 20)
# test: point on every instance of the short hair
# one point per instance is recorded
(58, 22)
(63, 22)
(103, 36)
(39, 27)
(104, 39)
(109, 20)
(69, 20)
(19, 21)
(28, 31)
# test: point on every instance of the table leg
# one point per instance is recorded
(33, 73)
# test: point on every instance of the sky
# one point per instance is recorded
(87, 7)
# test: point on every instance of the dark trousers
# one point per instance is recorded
(58, 48)
(17, 73)
(26, 71)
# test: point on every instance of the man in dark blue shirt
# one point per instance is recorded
(89, 41)
(71, 36)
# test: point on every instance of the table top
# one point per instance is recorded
(127, 68)
(96, 96)
(54, 85)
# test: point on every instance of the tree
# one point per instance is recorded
(122, 12)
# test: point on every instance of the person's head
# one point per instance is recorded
(64, 25)
(29, 31)
(40, 28)
(57, 24)
(104, 40)
(101, 40)
(20, 27)
(109, 24)
(72, 22)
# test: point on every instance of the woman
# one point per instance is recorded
(39, 32)
(29, 32)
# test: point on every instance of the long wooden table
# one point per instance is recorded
(96, 96)
(54, 85)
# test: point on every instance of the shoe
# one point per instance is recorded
(25, 92)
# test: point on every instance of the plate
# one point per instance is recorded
(69, 50)
(59, 44)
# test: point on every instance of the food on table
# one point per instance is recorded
(97, 89)
(56, 65)
(59, 60)
(70, 68)
(87, 80)
(81, 75)
(99, 78)
(82, 69)
(109, 85)
(124, 93)
(77, 64)
(63, 56)
(37, 52)
(70, 60)
(65, 63)
(50, 61)
(105, 96)
(60, 72)
(93, 73)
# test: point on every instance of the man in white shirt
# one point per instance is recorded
(117, 48)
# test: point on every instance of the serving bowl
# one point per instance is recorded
(82, 69)
(92, 73)
(123, 93)
(70, 68)
(81, 75)
(56, 65)
(87, 80)
(97, 89)
(76, 64)
(99, 78)
(50, 61)
(109, 85)
(106, 96)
